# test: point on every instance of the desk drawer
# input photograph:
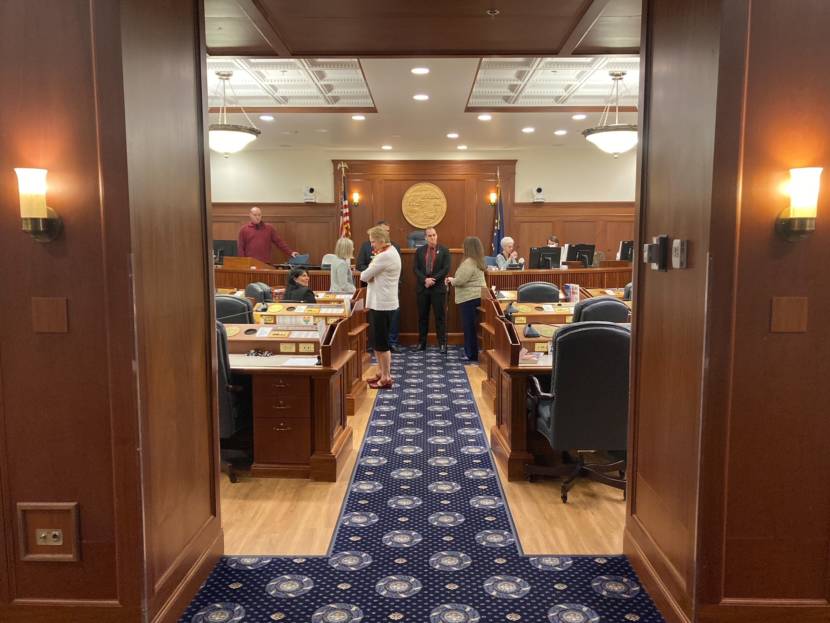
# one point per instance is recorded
(282, 440)
(281, 406)
(273, 385)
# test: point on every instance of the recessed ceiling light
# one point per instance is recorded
(386, 147)
(452, 135)
(560, 132)
(266, 117)
(579, 117)
(421, 97)
(485, 117)
(462, 147)
(358, 117)
(420, 71)
(528, 130)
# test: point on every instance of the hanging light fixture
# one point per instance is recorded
(228, 138)
(613, 138)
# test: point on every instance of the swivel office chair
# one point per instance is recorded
(234, 309)
(235, 412)
(605, 308)
(628, 291)
(490, 260)
(575, 415)
(537, 292)
(259, 292)
(417, 238)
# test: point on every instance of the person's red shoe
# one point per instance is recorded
(374, 379)
(378, 385)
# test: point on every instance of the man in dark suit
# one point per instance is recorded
(432, 265)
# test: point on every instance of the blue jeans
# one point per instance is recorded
(469, 314)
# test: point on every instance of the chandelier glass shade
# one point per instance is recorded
(613, 138)
(229, 138)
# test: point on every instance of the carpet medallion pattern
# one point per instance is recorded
(425, 535)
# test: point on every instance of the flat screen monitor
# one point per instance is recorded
(626, 251)
(227, 247)
(581, 252)
(545, 257)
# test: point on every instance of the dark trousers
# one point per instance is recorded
(469, 315)
(394, 331)
(427, 298)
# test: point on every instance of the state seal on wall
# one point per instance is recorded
(424, 205)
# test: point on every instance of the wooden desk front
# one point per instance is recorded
(300, 426)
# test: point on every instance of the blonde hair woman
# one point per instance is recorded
(340, 265)
(381, 277)
(468, 281)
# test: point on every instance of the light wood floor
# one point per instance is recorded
(297, 516)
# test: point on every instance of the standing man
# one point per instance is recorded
(432, 265)
(382, 276)
(365, 256)
(256, 237)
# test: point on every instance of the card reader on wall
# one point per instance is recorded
(657, 253)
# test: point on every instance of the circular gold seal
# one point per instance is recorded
(424, 205)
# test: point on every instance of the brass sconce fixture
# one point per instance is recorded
(494, 197)
(799, 220)
(355, 198)
(37, 218)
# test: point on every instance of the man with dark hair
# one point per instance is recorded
(432, 265)
(256, 237)
(364, 257)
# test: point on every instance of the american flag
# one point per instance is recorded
(345, 222)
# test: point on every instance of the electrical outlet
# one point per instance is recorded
(48, 536)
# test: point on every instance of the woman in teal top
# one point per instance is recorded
(468, 281)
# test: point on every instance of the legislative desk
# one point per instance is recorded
(299, 396)
(238, 272)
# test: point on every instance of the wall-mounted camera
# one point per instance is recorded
(538, 195)
(309, 194)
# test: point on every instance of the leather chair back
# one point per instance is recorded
(628, 291)
(415, 239)
(227, 423)
(605, 308)
(490, 260)
(299, 260)
(233, 309)
(537, 292)
(260, 292)
(590, 386)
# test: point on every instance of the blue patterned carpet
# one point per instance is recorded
(424, 535)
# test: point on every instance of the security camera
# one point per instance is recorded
(538, 197)
(309, 194)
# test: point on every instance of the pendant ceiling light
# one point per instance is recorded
(613, 138)
(228, 138)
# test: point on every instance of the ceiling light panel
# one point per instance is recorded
(293, 82)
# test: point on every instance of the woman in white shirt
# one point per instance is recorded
(382, 277)
(340, 265)
(508, 255)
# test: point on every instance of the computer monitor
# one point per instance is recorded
(583, 252)
(227, 247)
(545, 257)
(626, 251)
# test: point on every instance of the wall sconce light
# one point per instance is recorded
(799, 220)
(37, 219)
(494, 197)
(355, 198)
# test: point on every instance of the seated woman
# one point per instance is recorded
(342, 280)
(297, 290)
(508, 256)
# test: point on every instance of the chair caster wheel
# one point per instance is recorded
(564, 498)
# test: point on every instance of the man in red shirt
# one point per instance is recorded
(256, 237)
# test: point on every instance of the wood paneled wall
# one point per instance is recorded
(729, 514)
(313, 228)
(113, 411)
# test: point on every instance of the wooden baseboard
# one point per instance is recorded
(325, 466)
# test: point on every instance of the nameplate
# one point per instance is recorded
(306, 348)
(288, 348)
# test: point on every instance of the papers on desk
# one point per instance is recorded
(527, 358)
(263, 332)
(331, 310)
(304, 335)
(300, 362)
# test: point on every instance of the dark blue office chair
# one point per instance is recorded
(587, 407)
(537, 292)
(235, 412)
(234, 309)
(490, 260)
(628, 291)
(605, 308)
(299, 260)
